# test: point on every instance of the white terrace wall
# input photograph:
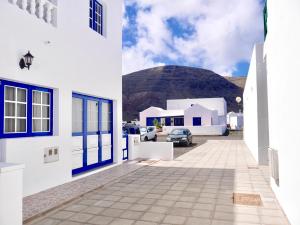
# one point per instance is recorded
(256, 108)
(68, 57)
(282, 49)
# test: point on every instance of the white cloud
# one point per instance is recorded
(225, 31)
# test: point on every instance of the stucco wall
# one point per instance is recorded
(71, 57)
(256, 108)
(282, 55)
(198, 111)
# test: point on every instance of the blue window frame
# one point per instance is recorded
(96, 16)
(197, 121)
(150, 120)
(98, 124)
(178, 121)
(25, 110)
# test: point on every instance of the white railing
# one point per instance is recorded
(45, 10)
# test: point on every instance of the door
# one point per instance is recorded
(92, 133)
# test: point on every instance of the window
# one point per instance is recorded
(106, 116)
(15, 105)
(197, 121)
(92, 116)
(178, 121)
(77, 115)
(96, 16)
(40, 111)
(25, 110)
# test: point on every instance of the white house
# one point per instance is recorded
(279, 58)
(235, 121)
(61, 116)
(201, 116)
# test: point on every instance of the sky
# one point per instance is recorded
(218, 35)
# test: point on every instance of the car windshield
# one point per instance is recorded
(143, 129)
(178, 132)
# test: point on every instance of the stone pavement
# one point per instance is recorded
(196, 188)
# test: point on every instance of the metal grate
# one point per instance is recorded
(247, 199)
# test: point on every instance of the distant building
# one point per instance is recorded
(202, 116)
(235, 121)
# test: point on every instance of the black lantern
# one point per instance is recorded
(26, 61)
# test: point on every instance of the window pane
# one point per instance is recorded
(46, 112)
(21, 125)
(77, 119)
(36, 125)
(37, 111)
(10, 93)
(9, 125)
(37, 98)
(46, 98)
(21, 110)
(46, 125)
(106, 116)
(92, 116)
(10, 109)
(22, 94)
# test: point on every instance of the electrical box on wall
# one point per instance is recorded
(51, 155)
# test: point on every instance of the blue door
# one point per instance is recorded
(168, 121)
(92, 131)
(125, 146)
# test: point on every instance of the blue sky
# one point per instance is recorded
(211, 34)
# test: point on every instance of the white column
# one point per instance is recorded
(11, 193)
(24, 4)
(41, 9)
(32, 7)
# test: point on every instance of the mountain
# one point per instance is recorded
(153, 87)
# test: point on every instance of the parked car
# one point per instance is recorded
(148, 134)
(131, 129)
(180, 136)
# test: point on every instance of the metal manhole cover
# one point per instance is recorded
(247, 199)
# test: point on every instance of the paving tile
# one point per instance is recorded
(93, 210)
(139, 207)
(121, 205)
(80, 217)
(62, 215)
(100, 220)
(122, 222)
(153, 217)
(112, 212)
(145, 223)
(133, 215)
(158, 209)
(197, 221)
(174, 219)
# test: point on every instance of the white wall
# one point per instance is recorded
(149, 150)
(11, 188)
(256, 108)
(218, 104)
(71, 57)
(282, 50)
(198, 111)
(150, 112)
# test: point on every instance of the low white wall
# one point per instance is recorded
(149, 150)
(11, 193)
(200, 130)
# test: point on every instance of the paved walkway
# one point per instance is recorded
(196, 188)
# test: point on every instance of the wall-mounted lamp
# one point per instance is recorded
(26, 61)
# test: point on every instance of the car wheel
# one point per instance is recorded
(146, 138)
(155, 138)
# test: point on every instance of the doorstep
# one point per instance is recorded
(40, 203)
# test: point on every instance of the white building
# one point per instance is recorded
(274, 98)
(62, 116)
(235, 121)
(202, 116)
